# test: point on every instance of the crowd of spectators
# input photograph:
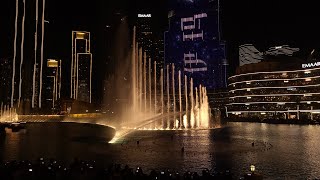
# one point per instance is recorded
(84, 170)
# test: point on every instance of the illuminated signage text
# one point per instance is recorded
(144, 15)
(309, 65)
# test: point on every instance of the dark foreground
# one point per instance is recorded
(85, 170)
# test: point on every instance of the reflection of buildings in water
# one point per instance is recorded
(13, 142)
(197, 146)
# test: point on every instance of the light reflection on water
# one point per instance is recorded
(279, 151)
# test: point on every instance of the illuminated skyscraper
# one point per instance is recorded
(53, 82)
(81, 66)
(193, 42)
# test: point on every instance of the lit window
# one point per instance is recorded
(308, 79)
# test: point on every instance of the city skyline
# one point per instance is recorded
(183, 89)
(56, 44)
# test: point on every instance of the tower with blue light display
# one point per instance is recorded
(193, 42)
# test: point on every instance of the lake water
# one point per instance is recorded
(279, 151)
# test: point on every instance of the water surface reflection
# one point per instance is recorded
(279, 151)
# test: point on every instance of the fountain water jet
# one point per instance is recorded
(180, 103)
(8, 114)
(155, 87)
(168, 98)
(195, 114)
(192, 121)
(173, 96)
(149, 78)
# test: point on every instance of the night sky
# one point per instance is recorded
(262, 23)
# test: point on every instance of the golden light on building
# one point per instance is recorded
(54, 77)
(81, 79)
(80, 35)
(52, 63)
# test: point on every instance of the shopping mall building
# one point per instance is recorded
(283, 87)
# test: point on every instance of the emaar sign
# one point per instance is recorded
(309, 65)
(144, 15)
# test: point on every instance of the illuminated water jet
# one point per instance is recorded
(194, 114)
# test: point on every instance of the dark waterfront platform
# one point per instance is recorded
(15, 126)
(275, 121)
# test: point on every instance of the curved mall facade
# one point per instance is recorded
(269, 89)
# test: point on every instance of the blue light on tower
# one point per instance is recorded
(193, 43)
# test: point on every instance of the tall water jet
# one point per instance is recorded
(133, 72)
(205, 109)
(155, 87)
(186, 125)
(21, 49)
(140, 79)
(196, 109)
(168, 97)
(137, 76)
(15, 52)
(200, 105)
(173, 97)
(145, 80)
(150, 94)
(41, 51)
(180, 103)
(192, 121)
(161, 87)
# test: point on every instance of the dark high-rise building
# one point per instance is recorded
(144, 33)
(151, 40)
(84, 77)
(5, 80)
(193, 42)
(158, 50)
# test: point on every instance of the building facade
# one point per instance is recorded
(81, 66)
(193, 42)
(286, 88)
(5, 80)
(150, 40)
(144, 33)
(53, 82)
